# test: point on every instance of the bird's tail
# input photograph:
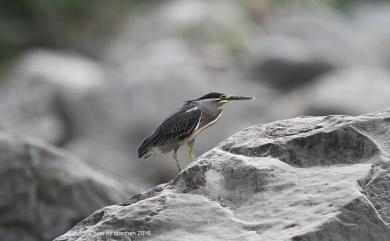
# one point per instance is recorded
(143, 149)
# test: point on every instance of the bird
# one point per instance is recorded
(183, 126)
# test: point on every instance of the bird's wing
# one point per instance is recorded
(177, 127)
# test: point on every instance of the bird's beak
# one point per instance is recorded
(236, 98)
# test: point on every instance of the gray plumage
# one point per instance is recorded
(183, 126)
(174, 129)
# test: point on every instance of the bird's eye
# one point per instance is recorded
(223, 97)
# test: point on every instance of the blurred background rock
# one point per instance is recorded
(95, 77)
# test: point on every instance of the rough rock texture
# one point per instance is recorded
(307, 178)
(45, 191)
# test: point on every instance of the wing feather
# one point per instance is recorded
(176, 127)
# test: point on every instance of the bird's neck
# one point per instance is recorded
(212, 112)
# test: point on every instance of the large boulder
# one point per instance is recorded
(45, 191)
(61, 97)
(31, 99)
(307, 178)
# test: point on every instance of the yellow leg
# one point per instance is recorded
(175, 157)
(190, 145)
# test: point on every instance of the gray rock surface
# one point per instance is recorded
(307, 178)
(45, 191)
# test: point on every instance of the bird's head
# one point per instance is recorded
(220, 98)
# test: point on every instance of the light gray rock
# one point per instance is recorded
(287, 62)
(67, 69)
(31, 100)
(62, 98)
(351, 91)
(300, 45)
(307, 178)
(218, 38)
(374, 19)
(45, 191)
(31, 108)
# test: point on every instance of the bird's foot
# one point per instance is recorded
(191, 156)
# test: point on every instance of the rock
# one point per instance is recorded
(351, 91)
(113, 161)
(307, 178)
(61, 98)
(374, 19)
(45, 191)
(66, 69)
(32, 98)
(287, 63)
(218, 38)
(301, 45)
(31, 108)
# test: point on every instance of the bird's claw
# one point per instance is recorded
(191, 156)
